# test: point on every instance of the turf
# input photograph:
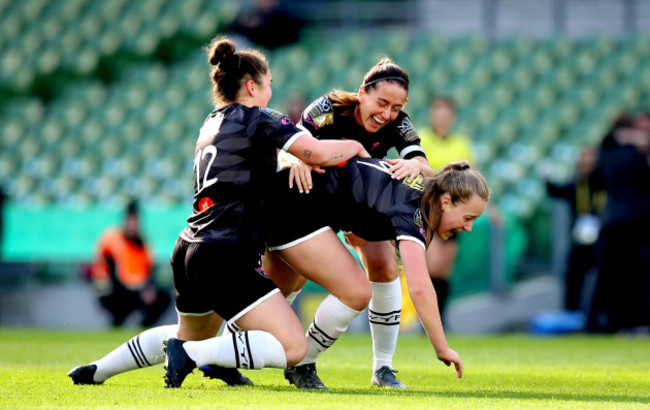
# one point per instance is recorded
(500, 372)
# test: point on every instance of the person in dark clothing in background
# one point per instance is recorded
(122, 273)
(587, 199)
(2, 200)
(621, 298)
(268, 24)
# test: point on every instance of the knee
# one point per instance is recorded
(295, 350)
(357, 296)
(382, 270)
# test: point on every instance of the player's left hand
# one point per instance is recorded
(402, 168)
(300, 174)
(448, 357)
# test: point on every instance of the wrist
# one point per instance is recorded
(441, 347)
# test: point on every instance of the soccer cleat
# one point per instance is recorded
(385, 377)
(84, 374)
(304, 377)
(177, 363)
(232, 377)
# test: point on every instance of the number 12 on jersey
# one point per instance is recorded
(202, 183)
(209, 129)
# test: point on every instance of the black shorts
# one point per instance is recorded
(210, 277)
(291, 217)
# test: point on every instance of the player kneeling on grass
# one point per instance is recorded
(362, 197)
(216, 258)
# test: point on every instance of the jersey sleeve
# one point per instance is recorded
(318, 115)
(277, 128)
(408, 142)
(408, 224)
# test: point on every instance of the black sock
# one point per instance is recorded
(442, 292)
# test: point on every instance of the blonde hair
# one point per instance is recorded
(384, 70)
(460, 182)
(232, 69)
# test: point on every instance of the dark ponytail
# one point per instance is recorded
(232, 69)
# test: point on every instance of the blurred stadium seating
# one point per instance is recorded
(101, 101)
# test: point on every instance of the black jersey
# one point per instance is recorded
(359, 196)
(235, 155)
(324, 121)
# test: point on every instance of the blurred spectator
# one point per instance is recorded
(295, 106)
(268, 24)
(2, 200)
(122, 273)
(587, 198)
(443, 146)
(622, 294)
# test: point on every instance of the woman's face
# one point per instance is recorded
(263, 92)
(442, 117)
(380, 105)
(459, 217)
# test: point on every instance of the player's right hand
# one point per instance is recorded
(448, 357)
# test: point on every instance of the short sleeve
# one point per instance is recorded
(409, 225)
(277, 129)
(408, 141)
(318, 115)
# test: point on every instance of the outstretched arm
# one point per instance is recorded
(299, 172)
(425, 301)
(326, 153)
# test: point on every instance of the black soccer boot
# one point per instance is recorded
(84, 374)
(385, 377)
(177, 363)
(232, 377)
(304, 377)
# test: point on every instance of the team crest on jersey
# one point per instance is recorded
(276, 115)
(321, 112)
(417, 183)
(323, 120)
(407, 130)
(417, 218)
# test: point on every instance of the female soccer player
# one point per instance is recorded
(363, 197)
(216, 258)
(374, 117)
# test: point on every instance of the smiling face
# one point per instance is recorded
(380, 105)
(458, 217)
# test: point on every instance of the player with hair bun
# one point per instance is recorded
(216, 258)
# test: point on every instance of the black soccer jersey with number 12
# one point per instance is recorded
(234, 157)
(324, 121)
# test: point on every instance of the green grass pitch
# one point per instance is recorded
(514, 371)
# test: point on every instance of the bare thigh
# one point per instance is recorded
(324, 260)
(379, 258)
(198, 327)
(281, 273)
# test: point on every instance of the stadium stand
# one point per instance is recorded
(101, 101)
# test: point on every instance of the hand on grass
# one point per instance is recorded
(448, 357)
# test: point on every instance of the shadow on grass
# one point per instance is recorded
(478, 394)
